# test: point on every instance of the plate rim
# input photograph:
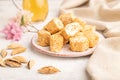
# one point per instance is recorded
(57, 54)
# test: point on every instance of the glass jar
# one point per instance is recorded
(39, 8)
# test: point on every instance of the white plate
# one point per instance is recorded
(65, 52)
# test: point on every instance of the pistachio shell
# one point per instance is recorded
(20, 59)
(12, 63)
(2, 62)
(3, 53)
(18, 50)
(31, 63)
(48, 70)
(14, 45)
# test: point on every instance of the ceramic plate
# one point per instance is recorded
(65, 52)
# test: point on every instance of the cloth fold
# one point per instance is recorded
(104, 63)
(105, 14)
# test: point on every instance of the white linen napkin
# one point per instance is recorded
(105, 14)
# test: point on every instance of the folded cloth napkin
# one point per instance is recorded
(104, 64)
(105, 14)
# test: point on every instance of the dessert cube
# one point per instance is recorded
(56, 42)
(93, 39)
(66, 18)
(70, 30)
(89, 28)
(54, 26)
(43, 38)
(79, 43)
(82, 23)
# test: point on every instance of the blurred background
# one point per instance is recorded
(8, 10)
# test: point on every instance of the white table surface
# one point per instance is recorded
(71, 68)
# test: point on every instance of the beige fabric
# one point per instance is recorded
(104, 64)
(105, 14)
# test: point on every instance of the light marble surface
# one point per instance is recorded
(71, 68)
